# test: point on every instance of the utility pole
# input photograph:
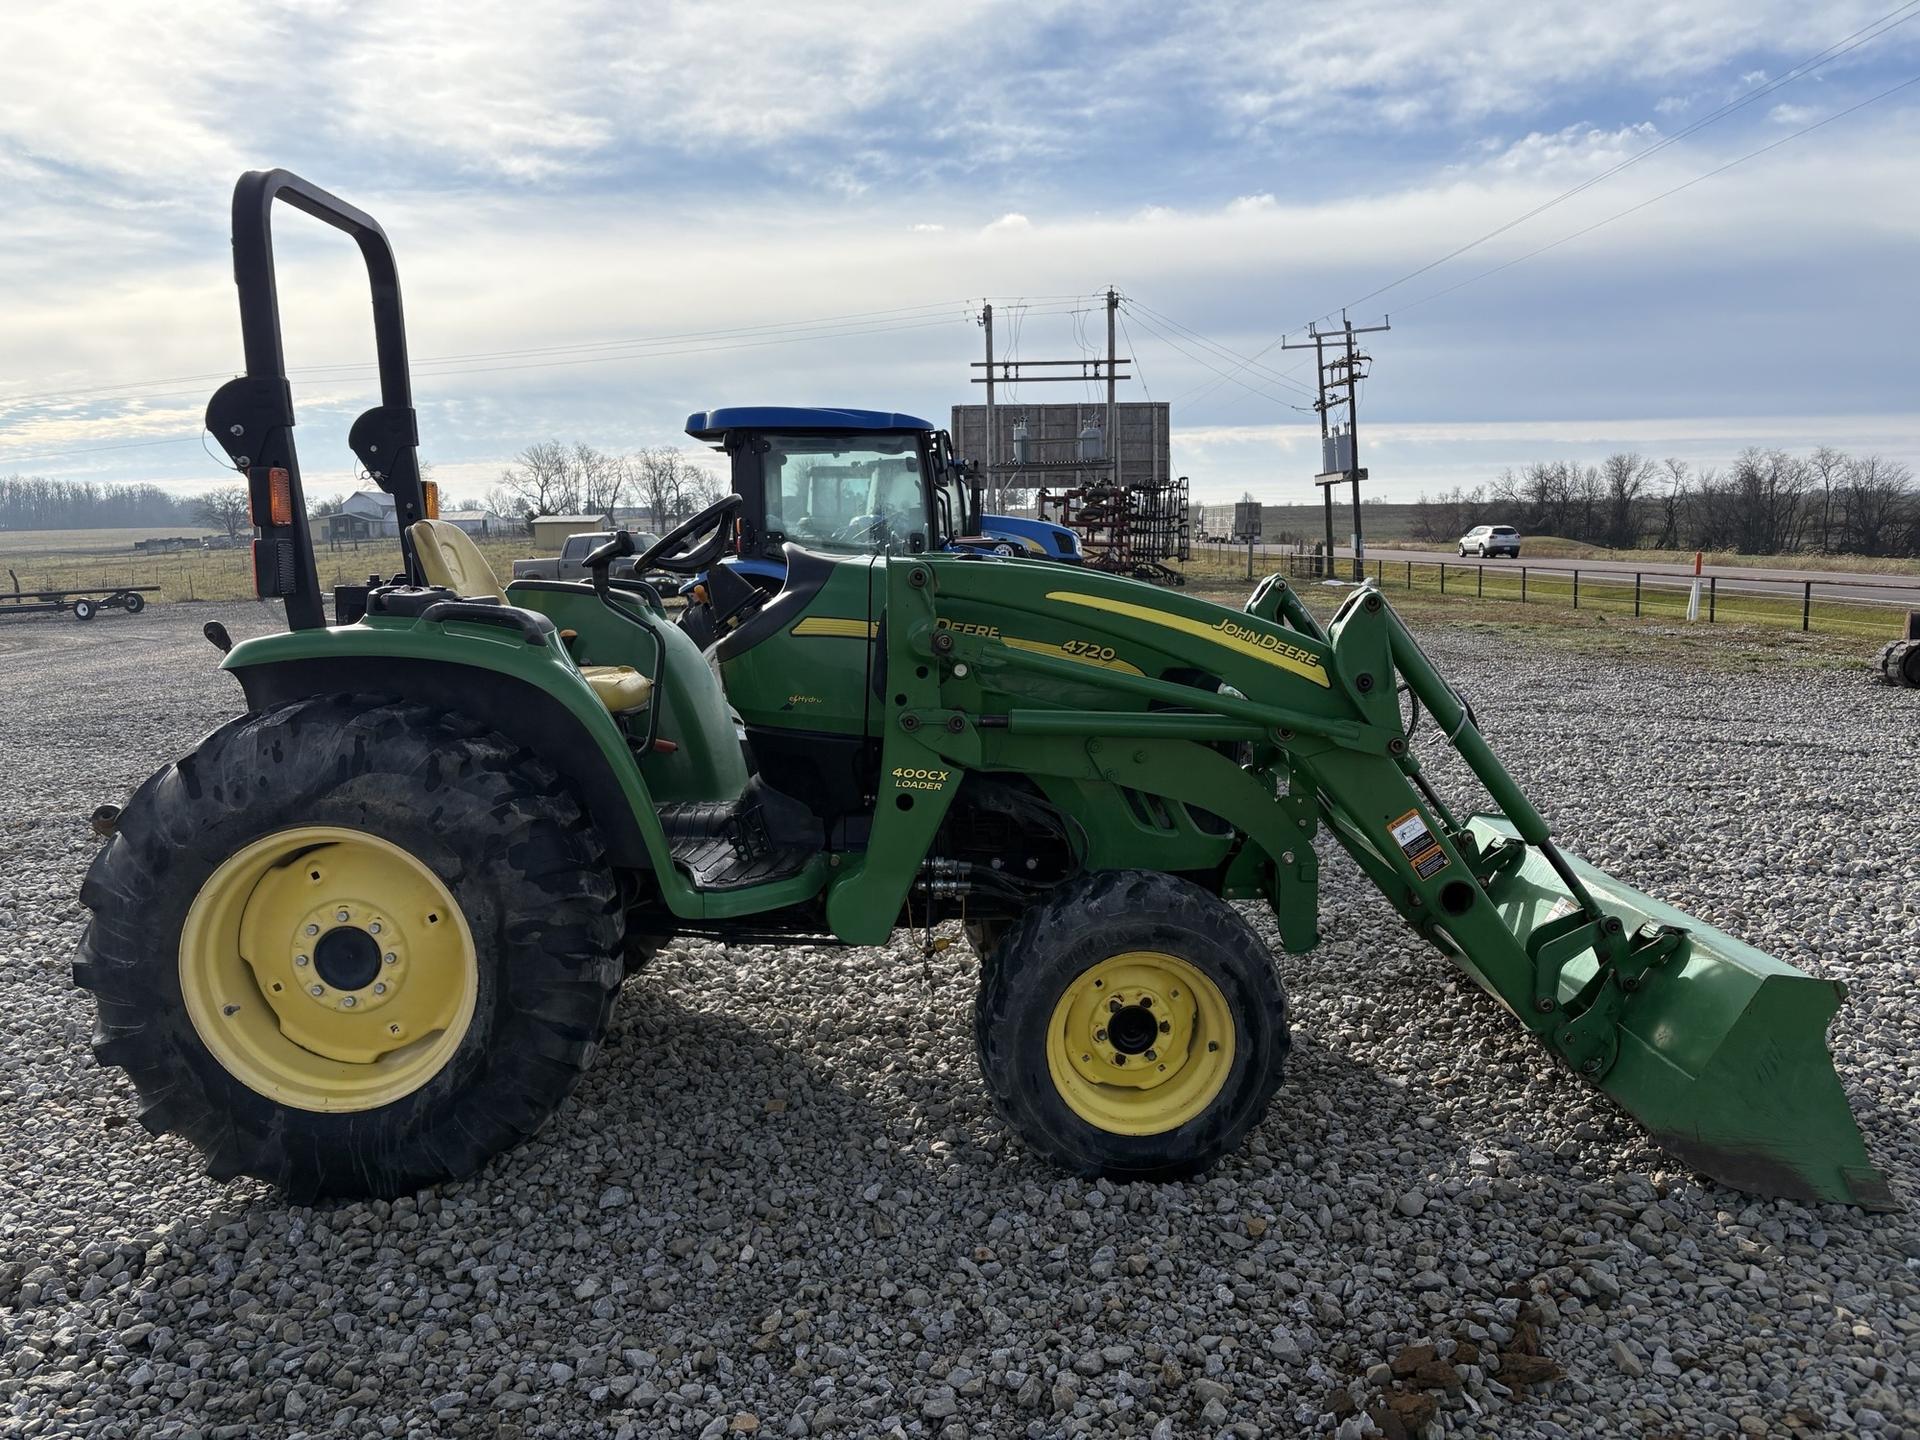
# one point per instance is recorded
(1113, 409)
(1341, 459)
(986, 463)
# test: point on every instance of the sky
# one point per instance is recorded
(608, 215)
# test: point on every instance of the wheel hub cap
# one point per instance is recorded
(346, 957)
(328, 968)
(1140, 1043)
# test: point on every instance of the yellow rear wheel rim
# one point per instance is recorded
(1140, 1043)
(328, 969)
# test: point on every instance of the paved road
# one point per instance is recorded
(1854, 589)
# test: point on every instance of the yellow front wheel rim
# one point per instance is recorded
(1140, 1043)
(328, 969)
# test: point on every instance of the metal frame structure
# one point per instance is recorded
(252, 417)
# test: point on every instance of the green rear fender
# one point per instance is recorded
(530, 692)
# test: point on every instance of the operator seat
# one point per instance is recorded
(449, 558)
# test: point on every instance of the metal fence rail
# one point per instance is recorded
(1839, 604)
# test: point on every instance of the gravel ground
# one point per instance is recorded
(781, 1203)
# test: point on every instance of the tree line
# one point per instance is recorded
(35, 503)
(547, 478)
(1765, 502)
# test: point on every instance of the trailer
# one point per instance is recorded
(84, 603)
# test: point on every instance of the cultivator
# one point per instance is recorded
(369, 933)
(1130, 528)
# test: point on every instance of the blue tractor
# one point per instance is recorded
(848, 482)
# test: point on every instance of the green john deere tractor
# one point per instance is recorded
(368, 933)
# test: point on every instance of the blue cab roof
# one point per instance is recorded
(712, 424)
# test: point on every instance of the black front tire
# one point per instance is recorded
(83, 609)
(135, 603)
(491, 821)
(1085, 923)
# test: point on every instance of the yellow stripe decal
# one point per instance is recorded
(834, 627)
(1228, 634)
(1060, 652)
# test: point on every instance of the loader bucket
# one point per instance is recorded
(1723, 1053)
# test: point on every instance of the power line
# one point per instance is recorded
(95, 450)
(1847, 44)
(1204, 362)
(1833, 52)
(1134, 350)
(847, 325)
(1225, 352)
(1685, 185)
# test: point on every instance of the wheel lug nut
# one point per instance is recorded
(374, 928)
(1119, 1059)
(1099, 1034)
(342, 915)
(390, 958)
(1152, 1056)
(1115, 1003)
(347, 1002)
(313, 929)
(1166, 1027)
(380, 987)
(1146, 1002)
(300, 960)
(316, 990)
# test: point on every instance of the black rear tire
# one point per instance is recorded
(135, 603)
(983, 935)
(1083, 925)
(83, 609)
(492, 822)
(1909, 664)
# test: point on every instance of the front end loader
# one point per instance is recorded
(368, 933)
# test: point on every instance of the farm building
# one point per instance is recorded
(368, 515)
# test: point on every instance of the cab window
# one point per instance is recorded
(851, 495)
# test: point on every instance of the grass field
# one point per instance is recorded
(103, 559)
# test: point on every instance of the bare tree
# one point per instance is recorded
(542, 480)
(1624, 475)
(1877, 492)
(599, 479)
(668, 485)
(224, 509)
(1674, 470)
(1827, 466)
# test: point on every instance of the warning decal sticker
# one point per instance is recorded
(1423, 852)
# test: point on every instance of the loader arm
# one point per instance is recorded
(1717, 1049)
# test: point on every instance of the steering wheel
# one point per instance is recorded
(665, 554)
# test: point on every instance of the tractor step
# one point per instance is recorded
(761, 837)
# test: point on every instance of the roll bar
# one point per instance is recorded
(252, 416)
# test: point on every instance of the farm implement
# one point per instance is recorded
(368, 933)
(83, 603)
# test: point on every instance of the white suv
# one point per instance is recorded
(1489, 540)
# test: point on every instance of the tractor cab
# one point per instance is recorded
(843, 482)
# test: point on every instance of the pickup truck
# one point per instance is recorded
(569, 563)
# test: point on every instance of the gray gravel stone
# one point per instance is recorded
(782, 1194)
